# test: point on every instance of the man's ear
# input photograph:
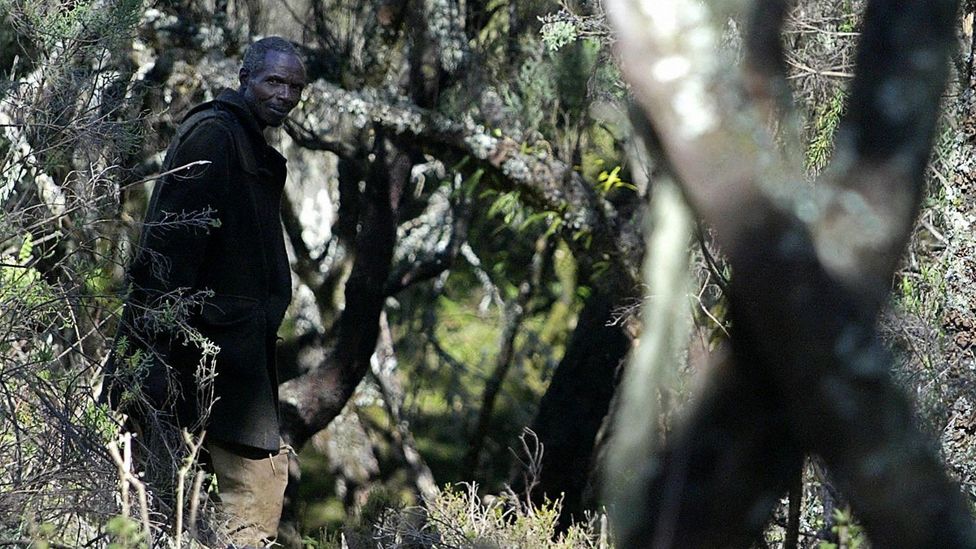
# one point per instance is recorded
(242, 76)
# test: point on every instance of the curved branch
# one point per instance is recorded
(765, 66)
(309, 402)
(587, 221)
(433, 256)
(314, 142)
(884, 141)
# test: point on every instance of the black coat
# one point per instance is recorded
(240, 258)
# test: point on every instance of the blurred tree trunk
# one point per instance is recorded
(807, 372)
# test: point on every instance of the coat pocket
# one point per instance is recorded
(243, 386)
(236, 325)
(228, 310)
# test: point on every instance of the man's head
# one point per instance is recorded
(272, 79)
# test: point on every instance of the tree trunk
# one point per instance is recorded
(808, 373)
(309, 402)
(573, 408)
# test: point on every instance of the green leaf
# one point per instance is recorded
(554, 226)
(472, 182)
(26, 249)
(533, 219)
(611, 180)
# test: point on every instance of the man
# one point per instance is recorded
(234, 269)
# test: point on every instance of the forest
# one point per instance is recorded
(564, 273)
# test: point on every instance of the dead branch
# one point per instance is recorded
(514, 313)
(383, 371)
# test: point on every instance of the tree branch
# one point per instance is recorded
(309, 402)
(884, 142)
(420, 473)
(433, 253)
(545, 182)
(514, 314)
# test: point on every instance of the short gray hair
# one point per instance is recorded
(257, 52)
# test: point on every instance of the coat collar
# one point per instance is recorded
(233, 101)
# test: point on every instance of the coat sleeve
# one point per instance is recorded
(183, 214)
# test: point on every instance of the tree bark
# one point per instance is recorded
(310, 401)
(573, 409)
(808, 373)
(588, 222)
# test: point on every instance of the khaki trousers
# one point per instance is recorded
(251, 488)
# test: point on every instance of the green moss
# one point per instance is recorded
(825, 124)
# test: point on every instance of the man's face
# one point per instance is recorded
(273, 91)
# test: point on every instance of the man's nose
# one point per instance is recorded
(289, 95)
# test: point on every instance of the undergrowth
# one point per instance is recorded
(458, 517)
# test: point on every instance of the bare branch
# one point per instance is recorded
(383, 370)
(311, 401)
(428, 245)
(514, 313)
